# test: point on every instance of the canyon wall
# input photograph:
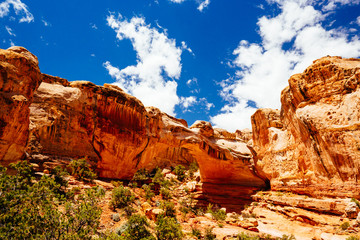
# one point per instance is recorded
(114, 131)
(313, 144)
(19, 78)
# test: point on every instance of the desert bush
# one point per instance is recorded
(117, 183)
(141, 175)
(149, 194)
(169, 209)
(133, 185)
(196, 233)
(352, 238)
(244, 236)
(180, 172)
(167, 229)
(209, 235)
(137, 229)
(356, 201)
(219, 215)
(165, 193)
(345, 225)
(81, 170)
(193, 167)
(158, 177)
(286, 237)
(29, 209)
(121, 197)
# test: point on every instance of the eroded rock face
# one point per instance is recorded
(19, 77)
(316, 144)
(78, 119)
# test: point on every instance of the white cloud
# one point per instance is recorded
(263, 69)
(177, 1)
(20, 9)
(92, 55)
(189, 104)
(192, 82)
(93, 26)
(203, 4)
(152, 80)
(333, 4)
(10, 31)
(46, 24)
(185, 47)
(186, 102)
(193, 85)
(358, 20)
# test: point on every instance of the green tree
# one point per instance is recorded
(121, 197)
(168, 229)
(180, 172)
(137, 229)
(81, 170)
(30, 209)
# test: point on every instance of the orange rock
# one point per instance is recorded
(314, 142)
(19, 78)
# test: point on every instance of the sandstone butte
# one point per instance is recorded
(311, 145)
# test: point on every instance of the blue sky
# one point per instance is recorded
(211, 60)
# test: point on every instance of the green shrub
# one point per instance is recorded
(193, 167)
(286, 237)
(209, 235)
(129, 210)
(219, 215)
(345, 225)
(81, 170)
(149, 194)
(352, 238)
(356, 201)
(117, 183)
(141, 175)
(180, 172)
(244, 236)
(169, 209)
(167, 229)
(137, 229)
(165, 193)
(121, 197)
(158, 177)
(196, 233)
(133, 185)
(29, 209)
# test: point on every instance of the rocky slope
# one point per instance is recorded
(312, 145)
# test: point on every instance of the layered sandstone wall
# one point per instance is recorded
(315, 146)
(19, 78)
(69, 120)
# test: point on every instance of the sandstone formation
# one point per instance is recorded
(19, 78)
(312, 145)
(113, 130)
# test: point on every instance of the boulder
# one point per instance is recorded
(351, 210)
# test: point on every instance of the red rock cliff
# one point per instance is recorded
(19, 78)
(313, 145)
